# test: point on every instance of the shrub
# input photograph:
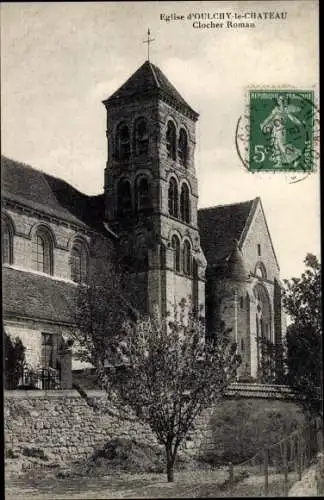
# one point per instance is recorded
(14, 352)
(241, 428)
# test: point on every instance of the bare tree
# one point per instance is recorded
(171, 373)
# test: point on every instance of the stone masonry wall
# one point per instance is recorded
(62, 423)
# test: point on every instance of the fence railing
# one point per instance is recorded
(41, 378)
(273, 470)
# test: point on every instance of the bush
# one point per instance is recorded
(14, 352)
(241, 428)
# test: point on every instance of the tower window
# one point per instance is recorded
(79, 263)
(187, 258)
(241, 302)
(175, 243)
(42, 252)
(124, 198)
(171, 140)
(173, 197)
(259, 249)
(143, 194)
(141, 137)
(185, 204)
(6, 242)
(242, 344)
(183, 148)
(122, 142)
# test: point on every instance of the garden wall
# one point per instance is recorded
(62, 423)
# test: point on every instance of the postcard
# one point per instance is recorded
(161, 248)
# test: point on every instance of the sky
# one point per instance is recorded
(60, 60)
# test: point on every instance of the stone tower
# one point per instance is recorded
(151, 190)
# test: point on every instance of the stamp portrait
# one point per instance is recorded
(281, 130)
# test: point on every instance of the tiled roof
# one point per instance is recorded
(219, 226)
(35, 296)
(52, 196)
(148, 78)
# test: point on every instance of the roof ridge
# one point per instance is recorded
(52, 277)
(40, 171)
(154, 74)
(228, 204)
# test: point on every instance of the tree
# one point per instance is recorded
(170, 375)
(14, 351)
(101, 308)
(302, 301)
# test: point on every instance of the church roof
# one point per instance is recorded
(43, 298)
(145, 79)
(219, 226)
(52, 196)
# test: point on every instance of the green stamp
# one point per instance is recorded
(281, 130)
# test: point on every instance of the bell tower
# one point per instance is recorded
(151, 189)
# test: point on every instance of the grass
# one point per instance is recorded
(188, 484)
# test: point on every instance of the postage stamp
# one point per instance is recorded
(281, 130)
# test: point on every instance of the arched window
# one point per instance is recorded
(187, 258)
(260, 270)
(143, 193)
(171, 140)
(79, 263)
(124, 197)
(42, 251)
(173, 197)
(6, 242)
(183, 147)
(175, 244)
(185, 204)
(141, 137)
(122, 142)
(263, 311)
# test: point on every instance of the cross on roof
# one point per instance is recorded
(148, 41)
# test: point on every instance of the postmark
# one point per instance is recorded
(279, 131)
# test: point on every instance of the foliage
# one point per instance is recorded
(270, 363)
(302, 301)
(304, 359)
(302, 296)
(102, 307)
(14, 351)
(170, 375)
(241, 428)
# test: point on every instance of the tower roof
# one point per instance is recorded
(148, 78)
(235, 268)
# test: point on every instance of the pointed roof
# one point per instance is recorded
(149, 79)
(222, 224)
(235, 268)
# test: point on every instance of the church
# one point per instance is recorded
(54, 237)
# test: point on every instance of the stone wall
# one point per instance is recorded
(62, 423)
